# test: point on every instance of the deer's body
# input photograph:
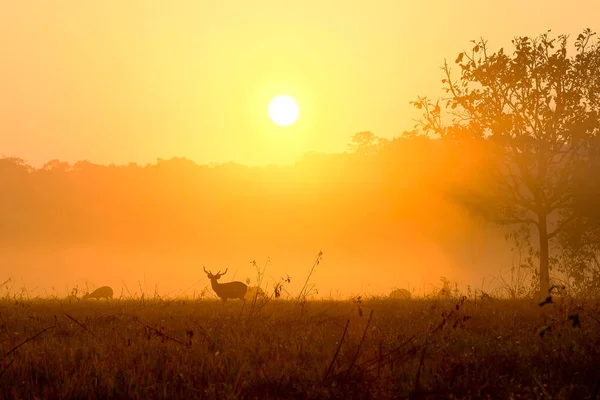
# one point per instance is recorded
(401, 294)
(229, 290)
(102, 292)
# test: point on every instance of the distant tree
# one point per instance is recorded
(56, 165)
(536, 113)
(366, 142)
(12, 164)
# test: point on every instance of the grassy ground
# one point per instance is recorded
(375, 349)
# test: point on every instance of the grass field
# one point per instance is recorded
(374, 348)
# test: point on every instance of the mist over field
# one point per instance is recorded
(383, 215)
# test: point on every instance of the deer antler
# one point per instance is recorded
(225, 271)
(205, 270)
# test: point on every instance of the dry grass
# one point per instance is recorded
(209, 349)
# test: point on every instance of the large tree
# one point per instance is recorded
(579, 243)
(535, 112)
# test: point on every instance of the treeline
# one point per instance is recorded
(384, 205)
(179, 202)
(383, 209)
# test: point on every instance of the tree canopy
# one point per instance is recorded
(535, 110)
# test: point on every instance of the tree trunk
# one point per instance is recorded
(544, 256)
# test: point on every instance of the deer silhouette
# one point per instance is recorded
(102, 292)
(229, 290)
(401, 294)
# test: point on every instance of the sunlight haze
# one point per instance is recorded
(320, 199)
(139, 142)
(119, 82)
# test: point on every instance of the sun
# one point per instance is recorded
(283, 110)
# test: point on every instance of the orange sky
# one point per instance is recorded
(119, 81)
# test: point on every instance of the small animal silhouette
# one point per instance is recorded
(401, 294)
(102, 292)
(229, 290)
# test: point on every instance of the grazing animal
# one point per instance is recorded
(254, 292)
(401, 294)
(102, 292)
(229, 290)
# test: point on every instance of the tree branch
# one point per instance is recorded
(561, 226)
(515, 220)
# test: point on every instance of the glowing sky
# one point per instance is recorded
(120, 81)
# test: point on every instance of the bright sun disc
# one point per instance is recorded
(283, 110)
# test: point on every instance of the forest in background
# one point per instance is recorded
(382, 213)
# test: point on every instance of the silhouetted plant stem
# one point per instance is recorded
(82, 326)
(302, 294)
(28, 340)
(337, 351)
(359, 345)
(418, 377)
